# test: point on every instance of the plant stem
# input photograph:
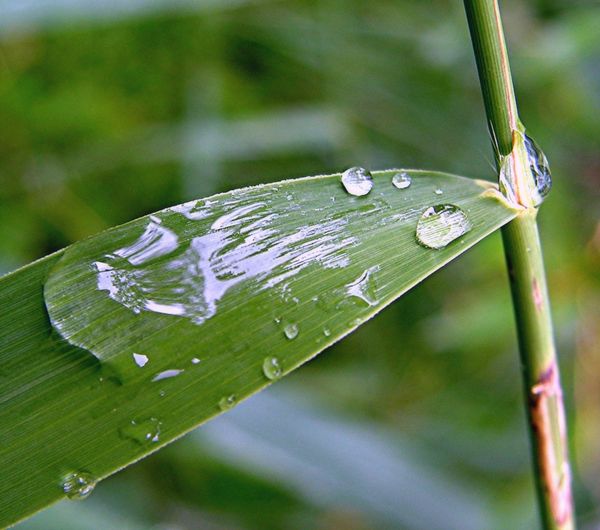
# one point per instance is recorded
(543, 392)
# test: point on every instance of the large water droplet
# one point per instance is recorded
(540, 170)
(225, 403)
(143, 432)
(173, 271)
(401, 180)
(364, 288)
(441, 224)
(272, 368)
(78, 485)
(357, 181)
(291, 331)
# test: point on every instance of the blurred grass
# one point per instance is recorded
(103, 119)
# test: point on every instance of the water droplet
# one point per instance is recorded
(195, 360)
(272, 368)
(166, 374)
(401, 180)
(364, 287)
(140, 359)
(196, 275)
(177, 270)
(78, 485)
(540, 170)
(326, 332)
(225, 403)
(291, 331)
(438, 191)
(441, 224)
(357, 181)
(143, 432)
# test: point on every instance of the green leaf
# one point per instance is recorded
(127, 340)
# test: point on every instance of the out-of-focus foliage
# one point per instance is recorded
(105, 116)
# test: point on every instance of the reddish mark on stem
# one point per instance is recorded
(538, 299)
(548, 420)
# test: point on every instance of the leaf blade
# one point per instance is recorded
(272, 265)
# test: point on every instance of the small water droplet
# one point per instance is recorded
(78, 485)
(140, 359)
(401, 180)
(272, 368)
(225, 403)
(326, 332)
(143, 432)
(357, 181)
(195, 360)
(291, 331)
(438, 191)
(441, 224)
(364, 288)
(540, 169)
(166, 374)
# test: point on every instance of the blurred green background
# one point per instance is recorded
(110, 109)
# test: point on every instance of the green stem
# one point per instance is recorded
(494, 70)
(543, 392)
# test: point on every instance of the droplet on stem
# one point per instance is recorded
(540, 170)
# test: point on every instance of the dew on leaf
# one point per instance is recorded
(401, 180)
(364, 288)
(143, 432)
(291, 331)
(272, 368)
(357, 181)
(227, 402)
(78, 485)
(166, 374)
(441, 224)
(140, 359)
